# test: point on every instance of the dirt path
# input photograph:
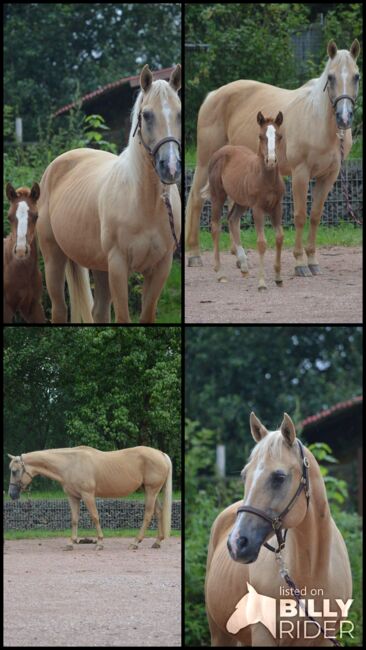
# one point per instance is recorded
(333, 297)
(84, 597)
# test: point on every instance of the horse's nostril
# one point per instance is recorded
(242, 542)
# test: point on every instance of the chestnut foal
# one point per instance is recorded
(22, 277)
(251, 181)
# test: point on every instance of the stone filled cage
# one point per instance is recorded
(335, 210)
(55, 514)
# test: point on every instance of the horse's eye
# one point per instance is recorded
(357, 77)
(278, 478)
(330, 77)
(148, 116)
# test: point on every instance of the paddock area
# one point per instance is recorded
(334, 296)
(84, 597)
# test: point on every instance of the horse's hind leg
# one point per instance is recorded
(75, 511)
(102, 298)
(150, 497)
(217, 202)
(234, 227)
(158, 515)
(89, 501)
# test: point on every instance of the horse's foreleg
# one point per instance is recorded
(102, 298)
(320, 192)
(118, 284)
(217, 203)
(154, 282)
(193, 213)
(300, 183)
(75, 511)
(277, 265)
(234, 227)
(8, 313)
(36, 313)
(150, 496)
(89, 501)
(261, 246)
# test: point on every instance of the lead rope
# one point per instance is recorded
(168, 205)
(350, 211)
(296, 592)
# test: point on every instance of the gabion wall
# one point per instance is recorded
(55, 514)
(334, 211)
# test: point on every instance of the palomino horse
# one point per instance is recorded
(251, 181)
(108, 213)
(22, 277)
(314, 116)
(283, 489)
(86, 473)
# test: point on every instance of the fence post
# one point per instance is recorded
(19, 129)
(221, 460)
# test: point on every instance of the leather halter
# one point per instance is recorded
(19, 484)
(152, 152)
(276, 522)
(335, 101)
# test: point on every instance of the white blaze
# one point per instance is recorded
(344, 75)
(172, 148)
(22, 216)
(271, 139)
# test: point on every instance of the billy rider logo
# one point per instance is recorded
(257, 608)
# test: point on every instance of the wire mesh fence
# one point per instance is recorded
(334, 212)
(55, 514)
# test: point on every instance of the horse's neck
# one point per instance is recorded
(318, 114)
(312, 538)
(44, 463)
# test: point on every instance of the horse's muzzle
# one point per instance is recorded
(14, 492)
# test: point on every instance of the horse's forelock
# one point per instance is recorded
(271, 445)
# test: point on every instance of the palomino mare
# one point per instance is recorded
(251, 181)
(108, 213)
(22, 277)
(86, 473)
(284, 489)
(314, 116)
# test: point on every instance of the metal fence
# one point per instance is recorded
(334, 209)
(55, 514)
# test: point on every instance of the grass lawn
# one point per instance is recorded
(82, 532)
(60, 494)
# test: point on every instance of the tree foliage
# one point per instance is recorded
(106, 387)
(231, 371)
(52, 50)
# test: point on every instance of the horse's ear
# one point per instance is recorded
(332, 49)
(355, 49)
(258, 430)
(260, 119)
(288, 430)
(12, 457)
(175, 80)
(35, 192)
(10, 192)
(146, 78)
(279, 119)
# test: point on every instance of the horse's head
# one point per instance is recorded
(271, 478)
(20, 477)
(159, 123)
(342, 79)
(270, 139)
(22, 215)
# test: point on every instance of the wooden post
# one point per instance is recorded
(19, 129)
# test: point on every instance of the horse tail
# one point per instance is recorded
(167, 503)
(81, 299)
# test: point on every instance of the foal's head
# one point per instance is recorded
(342, 81)
(270, 139)
(160, 111)
(271, 478)
(22, 215)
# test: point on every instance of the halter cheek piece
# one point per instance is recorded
(24, 471)
(152, 152)
(335, 101)
(276, 522)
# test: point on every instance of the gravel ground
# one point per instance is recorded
(335, 296)
(84, 597)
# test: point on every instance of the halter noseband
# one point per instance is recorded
(276, 522)
(19, 484)
(152, 152)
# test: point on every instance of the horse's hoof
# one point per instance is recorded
(222, 279)
(315, 269)
(279, 283)
(195, 260)
(262, 288)
(156, 545)
(133, 547)
(69, 547)
(302, 271)
(99, 547)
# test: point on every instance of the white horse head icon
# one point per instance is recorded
(253, 608)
